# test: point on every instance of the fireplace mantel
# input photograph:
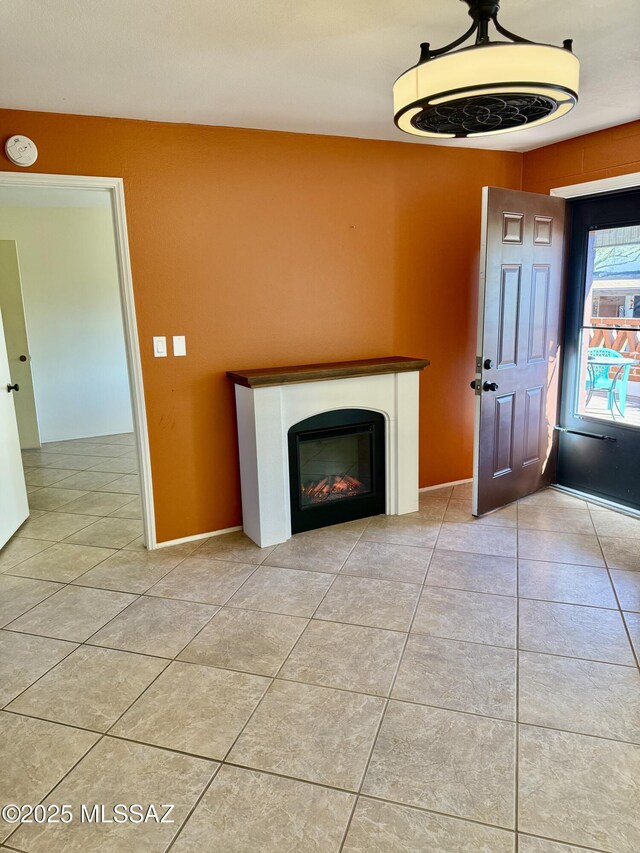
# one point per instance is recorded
(266, 376)
(269, 401)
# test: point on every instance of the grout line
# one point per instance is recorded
(635, 652)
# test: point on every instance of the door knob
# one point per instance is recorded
(488, 364)
(472, 384)
(15, 387)
(490, 386)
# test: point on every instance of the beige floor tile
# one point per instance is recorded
(529, 844)
(54, 526)
(475, 617)
(51, 498)
(48, 476)
(17, 550)
(559, 547)
(73, 613)
(155, 626)
(127, 484)
(76, 462)
(557, 519)
(459, 676)
(368, 666)
(323, 550)
(130, 571)
(245, 811)
(88, 480)
(552, 498)
(405, 563)
(41, 459)
(62, 562)
(97, 503)
(621, 553)
(478, 539)
(473, 572)
(379, 827)
(627, 585)
(574, 631)
(195, 709)
(108, 532)
(370, 602)
(289, 591)
(432, 505)
(462, 492)
(579, 789)
(24, 658)
(116, 466)
(581, 696)
(90, 689)
(398, 530)
(18, 595)
(35, 756)
(233, 546)
(206, 580)
(633, 624)
(245, 640)
(132, 509)
(117, 771)
(616, 525)
(445, 761)
(312, 733)
(459, 511)
(565, 582)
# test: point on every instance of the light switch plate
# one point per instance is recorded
(179, 345)
(160, 346)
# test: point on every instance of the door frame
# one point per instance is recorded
(115, 188)
(604, 185)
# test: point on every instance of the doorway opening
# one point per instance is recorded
(71, 339)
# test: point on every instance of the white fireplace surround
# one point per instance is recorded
(265, 415)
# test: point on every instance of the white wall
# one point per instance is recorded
(72, 305)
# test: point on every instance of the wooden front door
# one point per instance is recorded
(517, 367)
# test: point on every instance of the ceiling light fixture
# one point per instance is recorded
(488, 88)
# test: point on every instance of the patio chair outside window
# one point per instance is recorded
(599, 377)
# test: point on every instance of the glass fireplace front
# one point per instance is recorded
(337, 468)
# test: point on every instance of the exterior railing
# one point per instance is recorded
(625, 340)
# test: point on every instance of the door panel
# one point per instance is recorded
(14, 508)
(517, 372)
(17, 343)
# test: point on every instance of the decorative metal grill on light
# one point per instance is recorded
(487, 88)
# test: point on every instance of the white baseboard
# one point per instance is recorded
(195, 538)
(445, 485)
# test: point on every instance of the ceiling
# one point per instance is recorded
(325, 66)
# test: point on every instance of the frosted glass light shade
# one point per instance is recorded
(486, 89)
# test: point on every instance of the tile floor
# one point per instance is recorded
(426, 683)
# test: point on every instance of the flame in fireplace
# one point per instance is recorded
(332, 487)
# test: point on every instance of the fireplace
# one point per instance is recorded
(325, 443)
(336, 468)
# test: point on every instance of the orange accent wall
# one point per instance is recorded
(270, 249)
(604, 154)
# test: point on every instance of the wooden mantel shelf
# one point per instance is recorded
(266, 376)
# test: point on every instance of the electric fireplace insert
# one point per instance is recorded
(336, 468)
